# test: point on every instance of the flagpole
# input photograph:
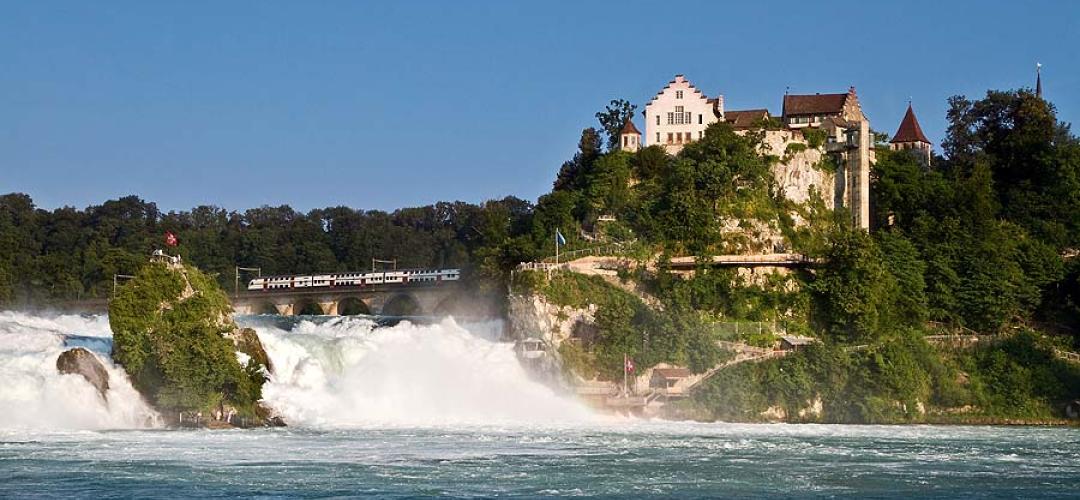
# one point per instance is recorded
(556, 246)
(626, 393)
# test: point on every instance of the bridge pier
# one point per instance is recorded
(285, 309)
(329, 308)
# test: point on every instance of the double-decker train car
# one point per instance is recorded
(353, 279)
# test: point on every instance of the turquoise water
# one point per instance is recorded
(620, 459)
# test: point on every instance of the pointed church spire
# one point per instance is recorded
(910, 130)
(1038, 80)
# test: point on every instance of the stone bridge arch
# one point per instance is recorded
(263, 307)
(453, 305)
(351, 306)
(402, 304)
(307, 307)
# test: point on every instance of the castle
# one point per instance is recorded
(679, 114)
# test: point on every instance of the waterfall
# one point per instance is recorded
(349, 371)
(33, 395)
(339, 372)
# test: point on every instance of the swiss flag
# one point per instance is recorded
(629, 365)
(170, 239)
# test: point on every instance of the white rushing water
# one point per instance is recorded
(328, 373)
(33, 395)
(348, 372)
(446, 411)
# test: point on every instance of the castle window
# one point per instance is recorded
(670, 137)
(700, 118)
(678, 137)
(678, 94)
(679, 117)
(700, 134)
(625, 141)
(658, 137)
(657, 122)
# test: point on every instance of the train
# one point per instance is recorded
(331, 280)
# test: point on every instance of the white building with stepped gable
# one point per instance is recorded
(680, 113)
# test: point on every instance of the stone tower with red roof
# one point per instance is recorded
(910, 137)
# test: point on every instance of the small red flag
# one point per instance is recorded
(629, 365)
(170, 239)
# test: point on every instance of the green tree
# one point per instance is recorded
(854, 290)
(574, 172)
(613, 118)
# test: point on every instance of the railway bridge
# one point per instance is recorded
(409, 299)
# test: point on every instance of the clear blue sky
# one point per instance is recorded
(390, 104)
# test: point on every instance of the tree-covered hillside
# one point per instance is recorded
(984, 239)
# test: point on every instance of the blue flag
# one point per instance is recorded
(559, 237)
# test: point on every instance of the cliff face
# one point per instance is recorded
(174, 335)
(533, 316)
(801, 174)
(798, 173)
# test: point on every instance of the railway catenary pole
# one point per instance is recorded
(116, 279)
(236, 277)
(381, 261)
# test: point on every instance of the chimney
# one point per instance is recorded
(720, 105)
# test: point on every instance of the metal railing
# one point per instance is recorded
(608, 249)
(736, 329)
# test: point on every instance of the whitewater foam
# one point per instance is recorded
(349, 372)
(34, 395)
(339, 372)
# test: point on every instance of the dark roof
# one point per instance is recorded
(629, 128)
(817, 104)
(746, 118)
(909, 130)
(672, 372)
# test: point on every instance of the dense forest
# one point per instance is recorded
(69, 253)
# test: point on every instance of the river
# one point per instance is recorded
(442, 409)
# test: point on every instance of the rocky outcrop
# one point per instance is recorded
(798, 173)
(533, 316)
(247, 342)
(173, 333)
(79, 361)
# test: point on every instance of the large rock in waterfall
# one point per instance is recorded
(79, 361)
(174, 335)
